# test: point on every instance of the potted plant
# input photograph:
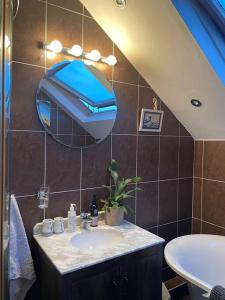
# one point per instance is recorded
(114, 205)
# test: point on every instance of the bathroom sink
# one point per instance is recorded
(96, 239)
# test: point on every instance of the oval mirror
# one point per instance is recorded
(76, 104)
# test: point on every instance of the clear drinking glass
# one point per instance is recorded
(43, 196)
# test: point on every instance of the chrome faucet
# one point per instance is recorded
(85, 220)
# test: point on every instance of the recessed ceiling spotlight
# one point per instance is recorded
(121, 3)
(196, 102)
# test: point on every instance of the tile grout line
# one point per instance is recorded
(116, 134)
(28, 64)
(169, 223)
(158, 181)
(203, 150)
(130, 83)
(67, 9)
(193, 184)
(178, 181)
(136, 154)
(98, 187)
(45, 65)
(213, 224)
(111, 134)
(81, 171)
(81, 150)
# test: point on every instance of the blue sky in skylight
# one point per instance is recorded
(222, 3)
(79, 78)
(205, 19)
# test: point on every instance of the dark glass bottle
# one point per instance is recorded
(94, 211)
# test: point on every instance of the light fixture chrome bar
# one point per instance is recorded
(76, 51)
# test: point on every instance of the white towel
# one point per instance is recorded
(20, 259)
(165, 293)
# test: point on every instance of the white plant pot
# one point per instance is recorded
(115, 216)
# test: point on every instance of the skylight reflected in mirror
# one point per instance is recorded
(76, 104)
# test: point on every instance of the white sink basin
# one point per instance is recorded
(96, 238)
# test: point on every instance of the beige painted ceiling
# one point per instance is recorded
(156, 41)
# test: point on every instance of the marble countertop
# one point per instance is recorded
(67, 258)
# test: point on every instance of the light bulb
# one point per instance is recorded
(110, 60)
(94, 55)
(76, 50)
(55, 46)
(51, 55)
(7, 42)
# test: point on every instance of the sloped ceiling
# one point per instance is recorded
(156, 41)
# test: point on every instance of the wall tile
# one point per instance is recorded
(64, 123)
(213, 208)
(23, 104)
(196, 226)
(153, 230)
(170, 125)
(148, 157)
(197, 188)
(168, 201)
(183, 131)
(59, 204)
(211, 229)
(214, 156)
(198, 158)
(28, 31)
(86, 12)
(124, 152)
(27, 162)
(62, 166)
(127, 100)
(95, 38)
(186, 157)
(130, 205)
(95, 163)
(184, 227)
(146, 95)
(142, 81)
(64, 26)
(30, 213)
(87, 196)
(74, 5)
(168, 158)
(213, 191)
(168, 232)
(185, 199)
(124, 71)
(147, 205)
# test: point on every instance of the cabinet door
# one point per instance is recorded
(141, 279)
(103, 286)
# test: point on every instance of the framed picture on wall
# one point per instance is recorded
(151, 120)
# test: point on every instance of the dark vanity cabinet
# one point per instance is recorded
(134, 276)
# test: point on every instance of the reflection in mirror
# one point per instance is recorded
(76, 104)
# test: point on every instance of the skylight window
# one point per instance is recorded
(206, 21)
(222, 3)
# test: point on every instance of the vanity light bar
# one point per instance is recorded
(76, 51)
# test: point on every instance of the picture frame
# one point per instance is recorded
(151, 120)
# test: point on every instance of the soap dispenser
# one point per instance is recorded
(72, 222)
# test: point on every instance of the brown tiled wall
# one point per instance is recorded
(209, 187)
(164, 162)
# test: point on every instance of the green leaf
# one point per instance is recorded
(136, 179)
(113, 169)
(120, 190)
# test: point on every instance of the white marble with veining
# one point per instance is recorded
(67, 258)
